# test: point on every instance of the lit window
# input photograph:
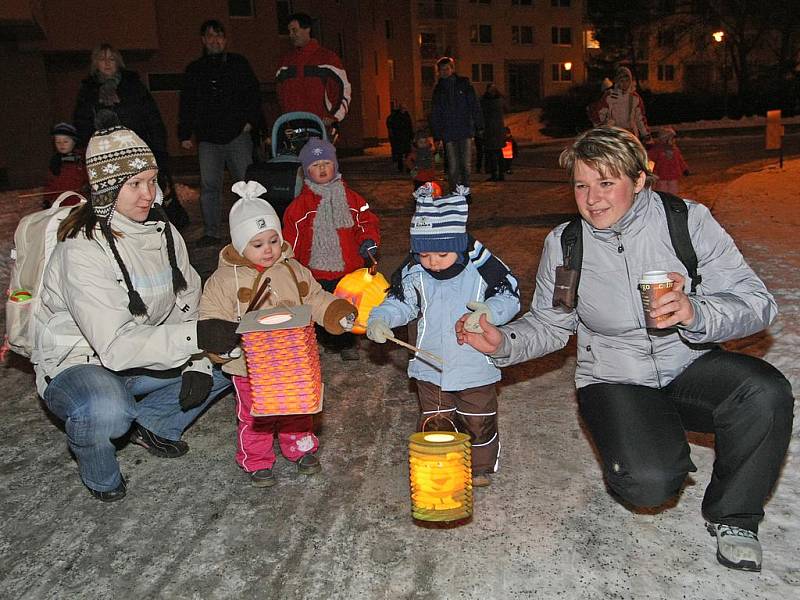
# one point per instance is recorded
(561, 73)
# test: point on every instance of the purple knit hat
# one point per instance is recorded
(317, 149)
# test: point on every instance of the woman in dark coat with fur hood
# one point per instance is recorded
(110, 86)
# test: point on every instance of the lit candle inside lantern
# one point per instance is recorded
(440, 471)
(364, 289)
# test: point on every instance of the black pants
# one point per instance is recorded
(640, 434)
(495, 164)
(334, 342)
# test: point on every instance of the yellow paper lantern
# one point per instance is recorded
(440, 471)
(365, 289)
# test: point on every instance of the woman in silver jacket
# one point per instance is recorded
(117, 340)
(640, 389)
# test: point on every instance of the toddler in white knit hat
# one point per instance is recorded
(258, 270)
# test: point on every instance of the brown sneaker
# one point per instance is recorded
(263, 478)
(481, 480)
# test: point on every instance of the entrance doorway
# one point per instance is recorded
(524, 85)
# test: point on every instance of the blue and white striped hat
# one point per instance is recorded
(439, 224)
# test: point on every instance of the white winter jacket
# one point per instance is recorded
(613, 344)
(84, 317)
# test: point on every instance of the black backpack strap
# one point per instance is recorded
(678, 223)
(572, 244)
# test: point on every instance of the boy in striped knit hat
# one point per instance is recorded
(446, 273)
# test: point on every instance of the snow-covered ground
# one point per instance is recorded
(546, 528)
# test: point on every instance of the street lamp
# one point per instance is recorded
(719, 37)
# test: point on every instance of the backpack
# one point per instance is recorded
(34, 241)
(568, 275)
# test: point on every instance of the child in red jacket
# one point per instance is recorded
(669, 164)
(67, 171)
(331, 228)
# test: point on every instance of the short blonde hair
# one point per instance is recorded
(609, 151)
(98, 53)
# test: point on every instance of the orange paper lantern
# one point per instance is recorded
(365, 289)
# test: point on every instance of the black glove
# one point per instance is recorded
(195, 387)
(367, 248)
(217, 335)
(686, 173)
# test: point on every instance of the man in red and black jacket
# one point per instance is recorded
(311, 78)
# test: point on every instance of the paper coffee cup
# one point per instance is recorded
(653, 285)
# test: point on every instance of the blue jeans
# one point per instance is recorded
(459, 156)
(98, 406)
(237, 155)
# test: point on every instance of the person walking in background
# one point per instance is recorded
(455, 120)
(220, 107)
(668, 163)
(621, 106)
(493, 132)
(401, 133)
(312, 78)
(331, 229)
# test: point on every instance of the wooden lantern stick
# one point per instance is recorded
(425, 353)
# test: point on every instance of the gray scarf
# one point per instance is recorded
(333, 213)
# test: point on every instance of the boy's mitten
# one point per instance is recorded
(368, 248)
(378, 331)
(686, 173)
(195, 387)
(217, 335)
(472, 324)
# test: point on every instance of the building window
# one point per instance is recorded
(428, 45)
(521, 34)
(482, 72)
(521, 2)
(428, 75)
(560, 3)
(561, 73)
(480, 34)
(666, 72)
(283, 10)
(562, 36)
(480, 1)
(389, 32)
(240, 8)
(165, 82)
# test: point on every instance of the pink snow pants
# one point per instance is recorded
(255, 434)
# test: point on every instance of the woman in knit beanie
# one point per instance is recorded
(118, 342)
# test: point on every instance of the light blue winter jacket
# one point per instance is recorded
(613, 344)
(439, 304)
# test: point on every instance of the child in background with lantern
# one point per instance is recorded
(420, 160)
(331, 228)
(256, 256)
(669, 164)
(447, 270)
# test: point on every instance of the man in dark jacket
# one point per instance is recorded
(221, 107)
(401, 132)
(455, 119)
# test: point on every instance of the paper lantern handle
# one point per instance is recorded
(438, 416)
(373, 268)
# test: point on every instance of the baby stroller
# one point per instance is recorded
(282, 175)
